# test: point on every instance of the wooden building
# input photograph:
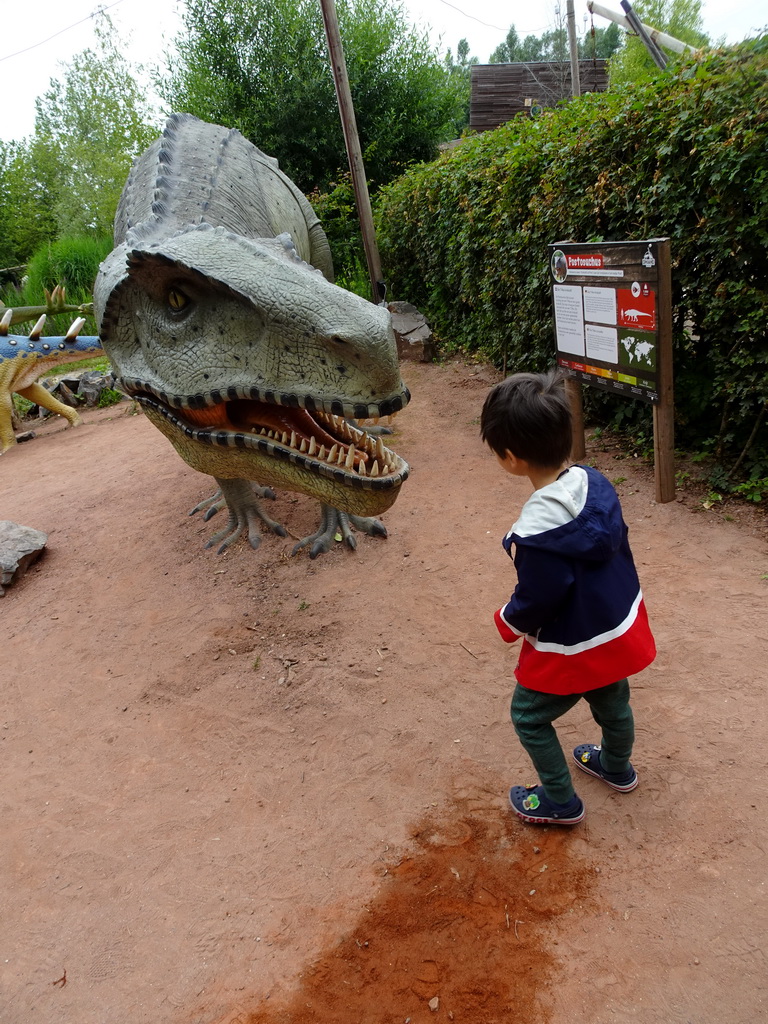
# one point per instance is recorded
(501, 91)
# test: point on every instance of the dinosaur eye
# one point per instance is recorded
(177, 300)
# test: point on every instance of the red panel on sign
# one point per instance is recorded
(636, 307)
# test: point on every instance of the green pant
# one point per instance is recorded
(533, 714)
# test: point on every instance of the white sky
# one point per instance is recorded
(27, 24)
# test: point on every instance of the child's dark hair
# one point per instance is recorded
(529, 415)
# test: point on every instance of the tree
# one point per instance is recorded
(89, 126)
(27, 196)
(507, 52)
(678, 18)
(553, 45)
(601, 43)
(262, 66)
(460, 78)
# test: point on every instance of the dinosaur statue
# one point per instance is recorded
(219, 315)
(23, 359)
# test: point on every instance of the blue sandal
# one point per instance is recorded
(533, 805)
(587, 757)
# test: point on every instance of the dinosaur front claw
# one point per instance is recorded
(239, 496)
(335, 522)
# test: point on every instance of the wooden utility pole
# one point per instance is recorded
(574, 48)
(354, 153)
(572, 387)
(664, 412)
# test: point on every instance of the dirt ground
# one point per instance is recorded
(255, 789)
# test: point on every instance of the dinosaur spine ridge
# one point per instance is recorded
(164, 165)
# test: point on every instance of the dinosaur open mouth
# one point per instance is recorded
(322, 436)
(320, 442)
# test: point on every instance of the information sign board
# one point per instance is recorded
(608, 300)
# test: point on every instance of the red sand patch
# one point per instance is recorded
(457, 933)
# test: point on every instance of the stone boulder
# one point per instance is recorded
(77, 389)
(92, 383)
(415, 340)
(20, 546)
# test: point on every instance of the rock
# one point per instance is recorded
(76, 389)
(92, 383)
(415, 340)
(20, 546)
(27, 435)
(65, 394)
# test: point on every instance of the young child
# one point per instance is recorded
(577, 605)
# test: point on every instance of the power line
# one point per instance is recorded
(99, 10)
(471, 16)
(485, 23)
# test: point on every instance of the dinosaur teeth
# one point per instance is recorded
(353, 451)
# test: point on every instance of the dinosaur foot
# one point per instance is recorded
(239, 497)
(217, 502)
(336, 522)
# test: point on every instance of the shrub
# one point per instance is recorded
(337, 210)
(71, 261)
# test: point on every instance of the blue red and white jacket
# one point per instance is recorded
(577, 605)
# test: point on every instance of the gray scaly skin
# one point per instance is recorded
(219, 315)
(24, 358)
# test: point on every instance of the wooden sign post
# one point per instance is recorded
(613, 326)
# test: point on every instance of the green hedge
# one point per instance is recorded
(686, 157)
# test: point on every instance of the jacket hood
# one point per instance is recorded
(577, 516)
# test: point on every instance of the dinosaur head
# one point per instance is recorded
(250, 361)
